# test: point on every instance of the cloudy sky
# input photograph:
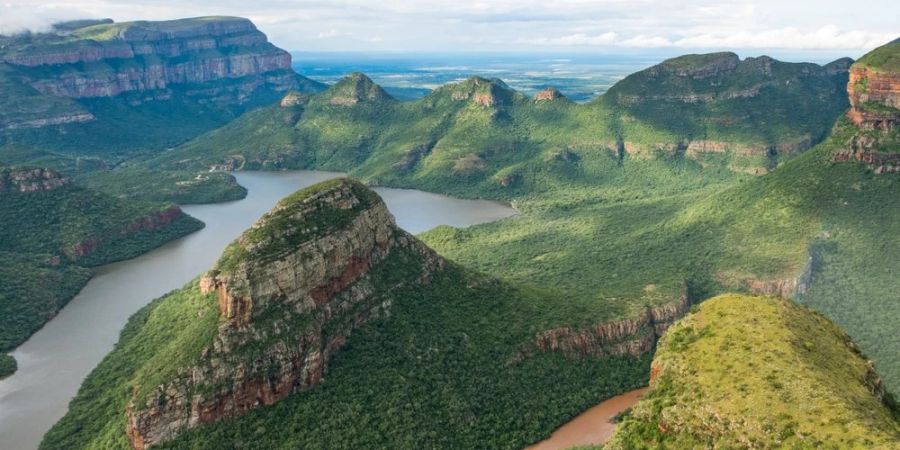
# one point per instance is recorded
(513, 25)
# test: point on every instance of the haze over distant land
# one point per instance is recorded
(762, 26)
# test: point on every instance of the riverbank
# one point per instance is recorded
(55, 360)
(592, 427)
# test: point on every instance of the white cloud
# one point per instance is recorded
(16, 17)
(327, 34)
(503, 25)
(826, 37)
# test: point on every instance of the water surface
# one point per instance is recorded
(592, 427)
(53, 363)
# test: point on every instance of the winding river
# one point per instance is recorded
(592, 427)
(56, 359)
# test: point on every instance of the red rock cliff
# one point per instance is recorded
(874, 98)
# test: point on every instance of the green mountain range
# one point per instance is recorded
(324, 325)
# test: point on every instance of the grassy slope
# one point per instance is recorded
(758, 372)
(885, 58)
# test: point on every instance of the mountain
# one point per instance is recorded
(52, 231)
(99, 87)
(759, 372)
(713, 110)
(325, 316)
(754, 108)
(309, 333)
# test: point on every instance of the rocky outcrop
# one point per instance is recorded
(30, 180)
(289, 292)
(548, 94)
(635, 336)
(217, 58)
(788, 287)
(874, 90)
(880, 162)
(49, 121)
(480, 91)
(291, 99)
(874, 98)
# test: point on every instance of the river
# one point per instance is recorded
(592, 427)
(53, 362)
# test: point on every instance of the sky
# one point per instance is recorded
(549, 26)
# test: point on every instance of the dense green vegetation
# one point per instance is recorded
(619, 212)
(759, 372)
(479, 133)
(119, 177)
(7, 366)
(435, 373)
(175, 186)
(33, 291)
(49, 238)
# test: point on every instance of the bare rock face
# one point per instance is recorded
(291, 99)
(635, 336)
(289, 291)
(874, 98)
(109, 59)
(548, 94)
(30, 180)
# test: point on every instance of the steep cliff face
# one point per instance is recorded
(874, 89)
(65, 89)
(110, 59)
(635, 336)
(874, 92)
(548, 94)
(288, 293)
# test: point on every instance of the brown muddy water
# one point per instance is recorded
(592, 427)
(53, 363)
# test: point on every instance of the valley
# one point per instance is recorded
(28, 404)
(706, 216)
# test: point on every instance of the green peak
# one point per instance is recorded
(482, 91)
(301, 217)
(701, 62)
(763, 370)
(356, 88)
(885, 58)
(839, 65)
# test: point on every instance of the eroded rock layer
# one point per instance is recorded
(112, 59)
(635, 336)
